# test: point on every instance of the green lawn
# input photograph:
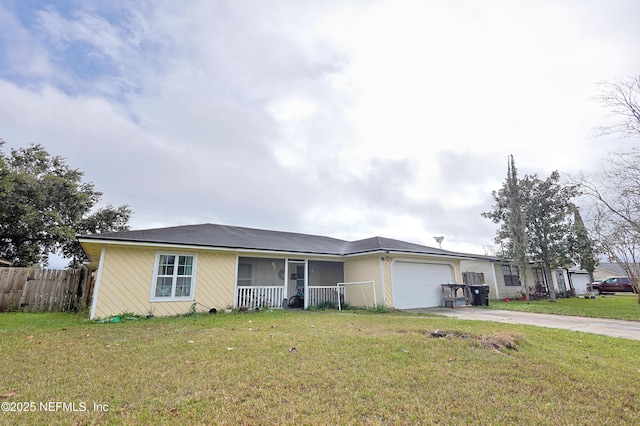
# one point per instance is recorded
(619, 306)
(346, 369)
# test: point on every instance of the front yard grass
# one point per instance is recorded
(618, 306)
(286, 367)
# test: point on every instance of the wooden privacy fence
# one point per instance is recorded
(40, 290)
(473, 278)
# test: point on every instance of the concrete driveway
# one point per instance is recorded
(607, 327)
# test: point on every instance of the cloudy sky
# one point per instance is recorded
(345, 118)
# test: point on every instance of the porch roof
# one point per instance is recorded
(239, 238)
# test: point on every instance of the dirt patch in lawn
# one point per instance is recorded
(499, 342)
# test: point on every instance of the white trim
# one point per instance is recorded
(298, 261)
(154, 278)
(96, 288)
(286, 280)
(381, 267)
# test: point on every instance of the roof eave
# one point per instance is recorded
(183, 246)
(407, 252)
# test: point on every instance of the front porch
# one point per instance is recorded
(271, 283)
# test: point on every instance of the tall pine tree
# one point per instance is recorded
(515, 223)
(584, 251)
(508, 212)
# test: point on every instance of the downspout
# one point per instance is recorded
(457, 273)
(495, 279)
(96, 289)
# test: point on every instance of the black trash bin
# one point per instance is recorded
(480, 295)
(485, 299)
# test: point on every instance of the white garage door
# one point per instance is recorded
(580, 282)
(417, 285)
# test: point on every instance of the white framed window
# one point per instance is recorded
(174, 277)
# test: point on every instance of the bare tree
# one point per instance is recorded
(615, 190)
(622, 99)
(614, 193)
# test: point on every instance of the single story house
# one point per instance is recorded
(165, 271)
(605, 270)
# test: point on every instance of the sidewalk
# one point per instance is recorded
(607, 327)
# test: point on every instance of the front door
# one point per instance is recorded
(562, 287)
(296, 279)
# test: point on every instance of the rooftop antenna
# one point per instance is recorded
(439, 241)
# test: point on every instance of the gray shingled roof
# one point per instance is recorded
(223, 236)
(614, 268)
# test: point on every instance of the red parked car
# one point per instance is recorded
(611, 285)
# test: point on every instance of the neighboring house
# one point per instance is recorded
(503, 278)
(166, 270)
(605, 270)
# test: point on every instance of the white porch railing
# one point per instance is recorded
(322, 294)
(260, 297)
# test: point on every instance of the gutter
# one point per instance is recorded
(269, 251)
(203, 247)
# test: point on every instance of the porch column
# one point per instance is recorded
(306, 284)
(286, 282)
(235, 284)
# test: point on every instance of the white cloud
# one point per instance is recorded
(292, 108)
(343, 118)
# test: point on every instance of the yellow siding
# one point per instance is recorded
(365, 268)
(388, 284)
(127, 274)
(125, 281)
(216, 279)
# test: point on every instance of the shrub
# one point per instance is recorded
(379, 309)
(324, 306)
